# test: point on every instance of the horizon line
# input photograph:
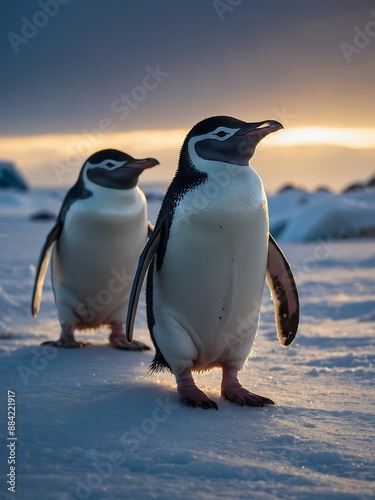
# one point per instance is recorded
(164, 139)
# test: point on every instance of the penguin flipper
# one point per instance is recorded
(143, 264)
(150, 229)
(45, 256)
(284, 293)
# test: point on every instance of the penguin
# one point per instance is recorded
(95, 243)
(208, 259)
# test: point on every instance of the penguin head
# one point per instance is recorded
(226, 139)
(114, 169)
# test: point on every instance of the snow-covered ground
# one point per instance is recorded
(92, 424)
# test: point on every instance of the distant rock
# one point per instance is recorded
(360, 186)
(323, 189)
(10, 178)
(371, 182)
(42, 215)
(367, 232)
(287, 187)
(357, 186)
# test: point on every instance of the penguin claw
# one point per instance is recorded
(243, 397)
(232, 390)
(206, 404)
(212, 404)
(194, 397)
(188, 402)
(190, 395)
(134, 346)
(70, 344)
(121, 342)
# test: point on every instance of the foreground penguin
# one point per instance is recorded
(209, 255)
(99, 234)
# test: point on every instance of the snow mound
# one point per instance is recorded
(297, 215)
(11, 178)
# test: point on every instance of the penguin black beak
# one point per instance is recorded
(260, 129)
(142, 164)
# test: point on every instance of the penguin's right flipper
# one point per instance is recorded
(143, 264)
(45, 256)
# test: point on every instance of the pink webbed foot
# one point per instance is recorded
(118, 340)
(232, 390)
(190, 395)
(66, 339)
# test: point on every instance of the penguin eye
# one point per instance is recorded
(109, 164)
(221, 133)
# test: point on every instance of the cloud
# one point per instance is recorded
(260, 56)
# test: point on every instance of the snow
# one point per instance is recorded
(91, 423)
(17, 204)
(298, 215)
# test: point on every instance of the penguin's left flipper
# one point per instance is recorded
(284, 293)
(45, 256)
(143, 264)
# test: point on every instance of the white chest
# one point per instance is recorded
(217, 248)
(101, 235)
(212, 278)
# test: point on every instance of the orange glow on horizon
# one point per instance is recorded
(56, 146)
(354, 138)
(56, 159)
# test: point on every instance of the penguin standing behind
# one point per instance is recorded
(99, 234)
(209, 256)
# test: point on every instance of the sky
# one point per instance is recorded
(82, 75)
